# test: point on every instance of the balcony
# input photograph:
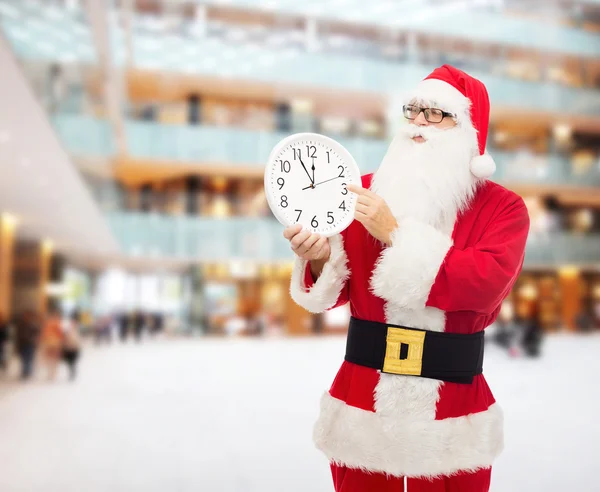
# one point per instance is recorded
(260, 239)
(213, 56)
(59, 31)
(449, 19)
(230, 147)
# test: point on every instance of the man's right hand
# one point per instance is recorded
(308, 246)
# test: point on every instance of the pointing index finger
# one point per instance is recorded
(359, 190)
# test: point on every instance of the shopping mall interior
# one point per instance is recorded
(134, 135)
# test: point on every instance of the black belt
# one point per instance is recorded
(393, 349)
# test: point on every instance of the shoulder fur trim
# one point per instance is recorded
(326, 290)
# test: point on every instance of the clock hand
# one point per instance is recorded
(313, 170)
(307, 173)
(313, 186)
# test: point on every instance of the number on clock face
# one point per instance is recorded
(307, 183)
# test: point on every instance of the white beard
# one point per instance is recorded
(429, 181)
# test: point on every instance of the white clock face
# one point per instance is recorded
(305, 182)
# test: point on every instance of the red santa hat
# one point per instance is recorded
(456, 92)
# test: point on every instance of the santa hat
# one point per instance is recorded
(456, 92)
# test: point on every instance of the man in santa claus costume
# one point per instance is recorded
(434, 250)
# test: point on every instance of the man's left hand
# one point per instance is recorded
(374, 214)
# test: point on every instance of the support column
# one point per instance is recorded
(571, 294)
(31, 274)
(312, 35)
(46, 249)
(8, 225)
(197, 320)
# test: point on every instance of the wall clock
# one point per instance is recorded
(305, 182)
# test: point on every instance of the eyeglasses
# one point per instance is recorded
(432, 115)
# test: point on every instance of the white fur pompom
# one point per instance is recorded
(483, 166)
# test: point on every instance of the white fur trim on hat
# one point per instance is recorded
(442, 95)
(483, 166)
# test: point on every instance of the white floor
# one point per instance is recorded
(236, 416)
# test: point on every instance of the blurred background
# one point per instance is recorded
(133, 138)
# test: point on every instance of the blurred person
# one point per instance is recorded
(27, 339)
(434, 250)
(157, 322)
(552, 218)
(57, 87)
(533, 333)
(584, 321)
(123, 323)
(72, 344)
(102, 328)
(139, 322)
(51, 342)
(508, 331)
(4, 335)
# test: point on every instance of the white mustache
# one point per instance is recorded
(427, 132)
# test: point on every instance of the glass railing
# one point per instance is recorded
(199, 239)
(231, 147)
(260, 239)
(563, 249)
(85, 135)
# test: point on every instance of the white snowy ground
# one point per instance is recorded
(236, 416)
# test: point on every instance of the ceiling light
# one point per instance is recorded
(190, 68)
(64, 35)
(266, 60)
(67, 58)
(277, 39)
(81, 28)
(353, 14)
(290, 52)
(269, 4)
(47, 245)
(45, 47)
(8, 221)
(17, 32)
(339, 41)
(8, 10)
(562, 132)
(236, 35)
(251, 47)
(500, 137)
(53, 13)
(383, 7)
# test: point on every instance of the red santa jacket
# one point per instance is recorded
(406, 425)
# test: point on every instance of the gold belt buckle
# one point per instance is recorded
(411, 366)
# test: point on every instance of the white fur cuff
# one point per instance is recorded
(326, 290)
(407, 270)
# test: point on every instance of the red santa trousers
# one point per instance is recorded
(355, 480)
